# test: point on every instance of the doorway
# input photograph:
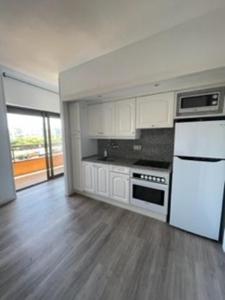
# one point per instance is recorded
(36, 146)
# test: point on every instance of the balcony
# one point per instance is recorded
(30, 169)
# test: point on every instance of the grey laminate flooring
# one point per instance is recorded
(54, 247)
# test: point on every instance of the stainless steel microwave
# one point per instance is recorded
(209, 102)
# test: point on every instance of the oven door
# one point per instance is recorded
(150, 196)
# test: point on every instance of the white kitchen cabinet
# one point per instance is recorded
(95, 122)
(88, 177)
(96, 178)
(119, 187)
(125, 118)
(101, 120)
(74, 115)
(112, 119)
(108, 119)
(76, 162)
(155, 111)
(101, 180)
(106, 181)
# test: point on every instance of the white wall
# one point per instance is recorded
(7, 188)
(192, 47)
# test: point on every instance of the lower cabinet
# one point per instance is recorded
(102, 180)
(76, 161)
(119, 187)
(88, 177)
(95, 178)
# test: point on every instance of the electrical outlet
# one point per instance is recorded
(137, 147)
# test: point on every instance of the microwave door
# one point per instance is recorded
(201, 103)
(200, 139)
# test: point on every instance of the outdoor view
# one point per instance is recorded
(28, 149)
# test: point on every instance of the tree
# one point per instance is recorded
(29, 142)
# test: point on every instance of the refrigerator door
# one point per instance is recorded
(197, 196)
(200, 139)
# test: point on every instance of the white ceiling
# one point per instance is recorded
(43, 37)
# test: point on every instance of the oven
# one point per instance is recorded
(149, 190)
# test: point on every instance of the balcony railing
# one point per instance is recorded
(29, 164)
(35, 164)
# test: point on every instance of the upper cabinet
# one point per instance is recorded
(155, 111)
(112, 119)
(95, 122)
(101, 120)
(74, 116)
(125, 118)
(108, 119)
(122, 119)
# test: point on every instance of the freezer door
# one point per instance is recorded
(200, 139)
(197, 196)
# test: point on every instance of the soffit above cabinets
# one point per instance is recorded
(193, 81)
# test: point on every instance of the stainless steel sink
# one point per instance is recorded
(105, 159)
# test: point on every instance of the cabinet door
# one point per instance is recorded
(125, 118)
(76, 162)
(74, 114)
(108, 119)
(88, 177)
(119, 187)
(95, 122)
(155, 111)
(101, 174)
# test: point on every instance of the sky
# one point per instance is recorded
(25, 125)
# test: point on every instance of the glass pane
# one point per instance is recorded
(27, 147)
(57, 147)
(148, 194)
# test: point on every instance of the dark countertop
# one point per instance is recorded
(115, 161)
(120, 162)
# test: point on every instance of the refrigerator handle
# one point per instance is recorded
(222, 223)
(200, 159)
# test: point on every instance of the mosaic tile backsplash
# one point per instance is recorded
(156, 144)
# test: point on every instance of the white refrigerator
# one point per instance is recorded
(198, 177)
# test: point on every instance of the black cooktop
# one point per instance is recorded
(153, 164)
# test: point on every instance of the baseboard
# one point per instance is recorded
(125, 206)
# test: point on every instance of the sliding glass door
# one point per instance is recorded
(36, 146)
(56, 145)
(54, 151)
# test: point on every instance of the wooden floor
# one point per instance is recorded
(53, 247)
